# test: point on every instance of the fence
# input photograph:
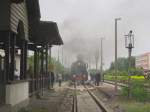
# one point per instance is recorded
(37, 85)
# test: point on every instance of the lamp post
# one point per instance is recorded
(116, 65)
(50, 64)
(101, 66)
(129, 44)
(58, 54)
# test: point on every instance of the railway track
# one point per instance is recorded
(118, 84)
(85, 101)
(123, 84)
(107, 95)
(75, 105)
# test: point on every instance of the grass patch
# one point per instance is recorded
(38, 109)
(131, 105)
(119, 78)
(135, 107)
(137, 77)
(138, 91)
(124, 79)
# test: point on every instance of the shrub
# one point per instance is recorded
(138, 92)
(124, 91)
(23, 110)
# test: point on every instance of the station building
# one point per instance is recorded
(143, 61)
(20, 31)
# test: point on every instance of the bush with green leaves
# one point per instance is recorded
(138, 91)
(24, 110)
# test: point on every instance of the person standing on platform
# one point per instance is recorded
(17, 75)
(59, 79)
(52, 79)
(97, 78)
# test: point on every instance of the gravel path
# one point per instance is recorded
(58, 100)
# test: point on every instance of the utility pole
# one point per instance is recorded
(116, 64)
(96, 58)
(129, 44)
(89, 63)
(65, 61)
(50, 64)
(62, 55)
(58, 54)
(101, 66)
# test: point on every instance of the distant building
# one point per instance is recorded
(143, 61)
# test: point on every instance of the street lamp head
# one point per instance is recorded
(130, 31)
(117, 19)
(129, 40)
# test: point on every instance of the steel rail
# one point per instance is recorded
(75, 101)
(97, 101)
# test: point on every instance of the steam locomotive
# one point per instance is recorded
(79, 71)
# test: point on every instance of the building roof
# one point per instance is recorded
(33, 9)
(46, 32)
(143, 55)
(11, 14)
(17, 1)
(50, 31)
(41, 32)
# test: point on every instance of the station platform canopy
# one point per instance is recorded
(41, 32)
(33, 9)
(46, 32)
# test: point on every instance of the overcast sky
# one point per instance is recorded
(83, 22)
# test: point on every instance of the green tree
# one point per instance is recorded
(56, 65)
(92, 71)
(123, 64)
